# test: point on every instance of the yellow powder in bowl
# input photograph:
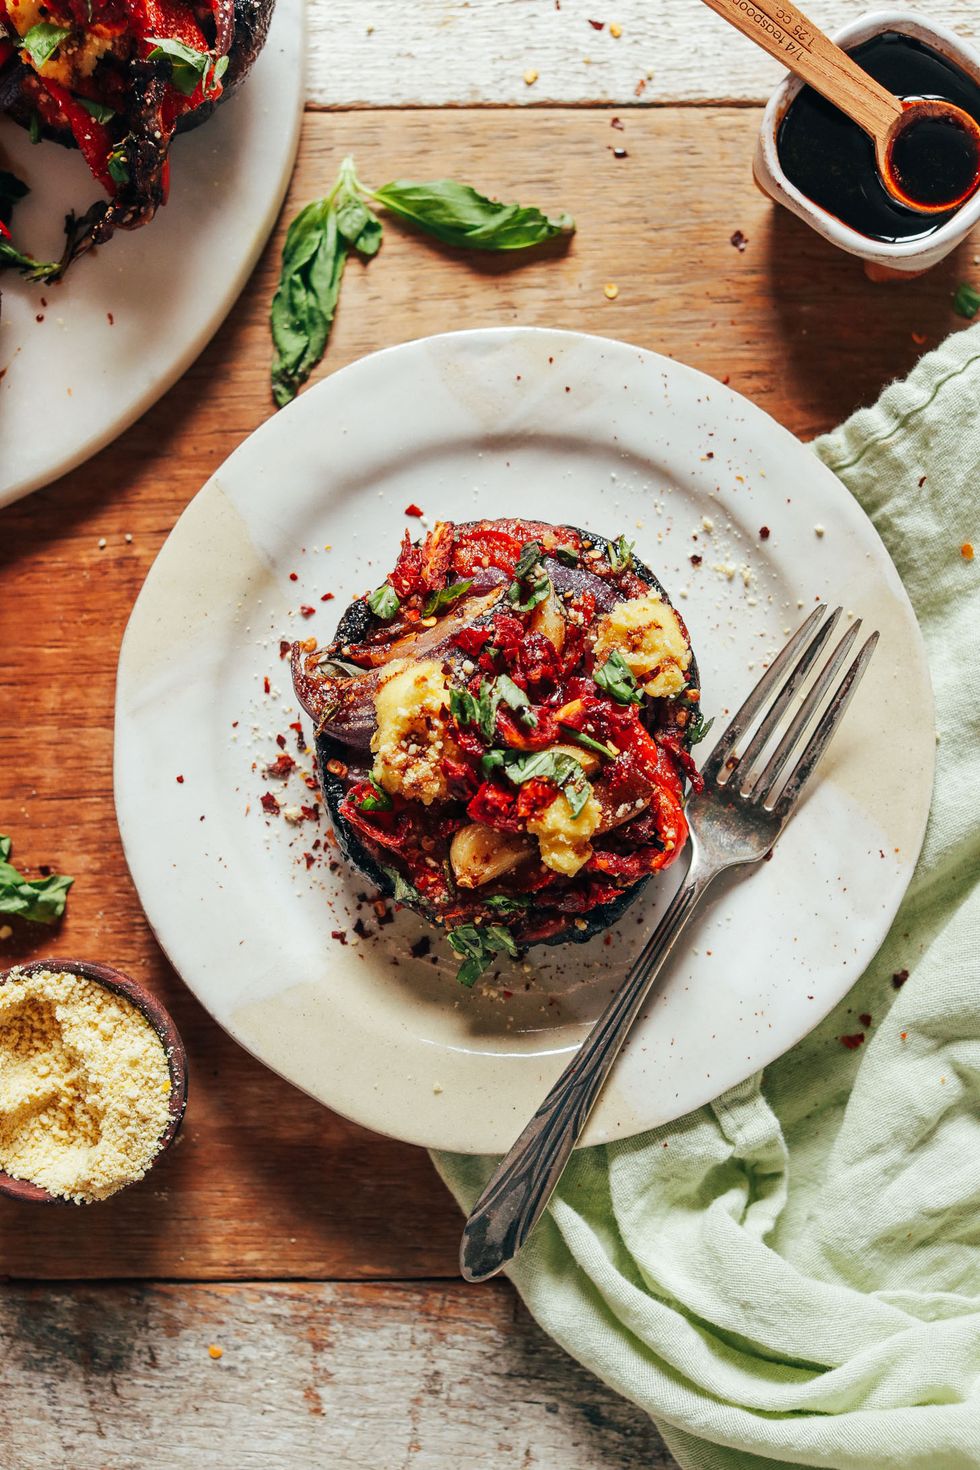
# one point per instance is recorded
(84, 1085)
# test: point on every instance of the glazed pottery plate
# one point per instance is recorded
(283, 944)
(82, 359)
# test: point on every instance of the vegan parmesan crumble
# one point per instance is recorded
(84, 1086)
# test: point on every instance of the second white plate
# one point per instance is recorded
(563, 427)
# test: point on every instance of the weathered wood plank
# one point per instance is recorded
(384, 53)
(352, 1377)
(265, 1183)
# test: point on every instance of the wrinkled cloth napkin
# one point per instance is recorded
(796, 1279)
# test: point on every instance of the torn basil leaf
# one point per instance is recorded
(43, 40)
(616, 678)
(383, 602)
(458, 215)
(620, 553)
(375, 800)
(479, 945)
(40, 900)
(445, 597)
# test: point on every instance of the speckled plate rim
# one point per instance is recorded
(298, 1005)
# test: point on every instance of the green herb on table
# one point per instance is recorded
(966, 300)
(479, 946)
(43, 40)
(617, 679)
(323, 234)
(41, 900)
(383, 602)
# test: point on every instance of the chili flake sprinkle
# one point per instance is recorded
(899, 978)
(305, 610)
(966, 551)
(852, 1042)
(414, 510)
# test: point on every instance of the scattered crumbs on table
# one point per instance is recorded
(617, 122)
(619, 153)
(615, 31)
(853, 1042)
(899, 978)
(437, 1088)
(102, 543)
(530, 77)
(818, 531)
(180, 780)
(739, 241)
(904, 1035)
(597, 25)
(214, 1351)
(414, 510)
(966, 551)
(764, 533)
(865, 1019)
(922, 481)
(610, 290)
(919, 338)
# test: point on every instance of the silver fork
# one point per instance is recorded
(733, 823)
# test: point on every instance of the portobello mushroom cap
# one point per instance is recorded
(250, 20)
(354, 625)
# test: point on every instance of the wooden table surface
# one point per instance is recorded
(320, 1258)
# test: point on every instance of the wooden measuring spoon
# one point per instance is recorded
(927, 151)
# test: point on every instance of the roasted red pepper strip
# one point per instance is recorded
(93, 138)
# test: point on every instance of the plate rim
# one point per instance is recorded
(447, 1138)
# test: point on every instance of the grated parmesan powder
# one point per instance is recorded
(84, 1086)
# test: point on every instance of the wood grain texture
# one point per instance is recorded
(433, 1377)
(370, 53)
(265, 1183)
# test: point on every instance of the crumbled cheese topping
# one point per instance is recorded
(647, 633)
(562, 838)
(84, 1086)
(412, 738)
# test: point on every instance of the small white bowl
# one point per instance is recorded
(882, 260)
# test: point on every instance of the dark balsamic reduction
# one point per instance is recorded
(832, 160)
(935, 160)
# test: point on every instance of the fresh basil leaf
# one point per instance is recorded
(516, 699)
(401, 890)
(620, 553)
(479, 945)
(445, 597)
(616, 678)
(508, 904)
(487, 702)
(463, 707)
(548, 765)
(492, 762)
(697, 728)
(587, 743)
(220, 67)
(43, 40)
(530, 555)
(40, 900)
(456, 214)
(966, 300)
(525, 594)
(98, 110)
(375, 800)
(313, 259)
(189, 67)
(34, 128)
(118, 165)
(383, 602)
(567, 555)
(34, 270)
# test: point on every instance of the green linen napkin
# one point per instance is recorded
(795, 1279)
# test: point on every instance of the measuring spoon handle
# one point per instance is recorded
(786, 33)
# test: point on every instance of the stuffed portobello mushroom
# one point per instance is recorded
(503, 732)
(117, 79)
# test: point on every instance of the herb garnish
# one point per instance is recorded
(118, 165)
(402, 890)
(531, 583)
(189, 68)
(618, 680)
(697, 728)
(12, 190)
(567, 555)
(43, 40)
(375, 800)
(508, 905)
(98, 110)
(548, 765)
(383, 602)
(620, 554)
(479, 946)
(445, 597)
(587, 742)
(481, 709)
(966, 300)
(41, 900)
(323, 234)
(34, 127)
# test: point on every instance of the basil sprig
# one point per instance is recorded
(375, 800)
(43, 40)
(383, 602)
(531, 583)
(479, 945)
(617, 679)
(321, 236)
(481, 709)
(549, 765)
(189, 68)
(41, 900)
(620, 554)
(445, 597)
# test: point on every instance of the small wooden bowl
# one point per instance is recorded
(161, 1021)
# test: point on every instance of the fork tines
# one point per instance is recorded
(786, 702)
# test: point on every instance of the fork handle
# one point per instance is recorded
(524, 1181)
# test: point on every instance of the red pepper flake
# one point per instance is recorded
(309, 860)
(339, 934)
(281, 742)
(640, 87)
(311, 782)
(361, 929)
(414, 510)
(269, 804)
(507, 994)
(739, 241)
(309, 813)
(899, 978)
(919, 338)
(852, 1042)
(865, 1018)
(295, 725)
(110, 318)
(764, 533)
(180, 780)
(327, 597)
(281, 767)
(598, 25)
(616, 122)
(696, 560)
(294, 576)
(266, 685)
(305, 610)
(284, 647)
(904, 1035)
(234, 724)
(922, 481)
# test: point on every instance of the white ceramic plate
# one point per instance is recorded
(565, 428)
(127, 321)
